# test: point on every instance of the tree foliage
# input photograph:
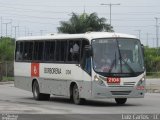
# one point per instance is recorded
(6, 49)
(84, 23)
(152, 59)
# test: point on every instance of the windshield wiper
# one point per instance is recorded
(125, 62)
(121, 59)
(112, 64)
(120, 56)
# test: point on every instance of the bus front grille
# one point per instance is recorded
(129, 83)
(120, 92)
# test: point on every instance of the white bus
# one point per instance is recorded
(81, 66)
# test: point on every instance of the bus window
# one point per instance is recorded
(28, 48)
(49, 50)
(19, 51)
(84, 42)
(69, 56)
(74, 50)
(61, 49)
(38, 50)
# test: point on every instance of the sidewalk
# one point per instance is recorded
(7, 82)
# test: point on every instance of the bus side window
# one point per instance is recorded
(61, 50)
(84, 42)
(38, 50)
(69, 56)
(87, 65)
(84, 59)
(19, 50)
(49, 51)
(74, 50)
(58, 51)
(28, 48)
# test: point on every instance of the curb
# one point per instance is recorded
(8, 82)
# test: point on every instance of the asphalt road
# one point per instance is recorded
(17, 104)
(14, 100)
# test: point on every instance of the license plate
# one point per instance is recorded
(111, 80)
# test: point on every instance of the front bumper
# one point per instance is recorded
(116, 92)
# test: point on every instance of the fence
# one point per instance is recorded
(153, 74)
(6, 70)
(153, 88)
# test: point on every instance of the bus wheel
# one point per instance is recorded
(36, 93)
(76, 98)
(120, 101)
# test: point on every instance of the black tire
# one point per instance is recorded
(45, 96)
(36, 93)
(76, 99)
(120, 101)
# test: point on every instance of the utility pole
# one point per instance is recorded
(15, 30)
(139, 34)
(84, 9)
(7, 26)
(41, 32)
(1, 27)
(153, 42)
(11, 28)
(110, 8)
(18, 30)
(30, 34)
(28, 31)
(157, 29)
(147, 40)
(25, 31)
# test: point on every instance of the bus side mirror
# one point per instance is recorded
(88, 51)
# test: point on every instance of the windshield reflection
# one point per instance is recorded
(117, 56)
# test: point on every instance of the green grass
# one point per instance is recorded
(5, 79)
(153, 75)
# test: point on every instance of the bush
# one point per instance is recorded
(152, 59)
(7, 46)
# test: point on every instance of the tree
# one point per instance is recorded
(152, 59)
(84, 23)
(6, 49)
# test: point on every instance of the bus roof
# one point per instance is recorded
(87, 35)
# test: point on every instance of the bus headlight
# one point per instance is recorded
(140, 84)
(98, 81)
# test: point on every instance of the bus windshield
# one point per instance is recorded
(117, 57)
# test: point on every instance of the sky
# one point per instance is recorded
(41, 17)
